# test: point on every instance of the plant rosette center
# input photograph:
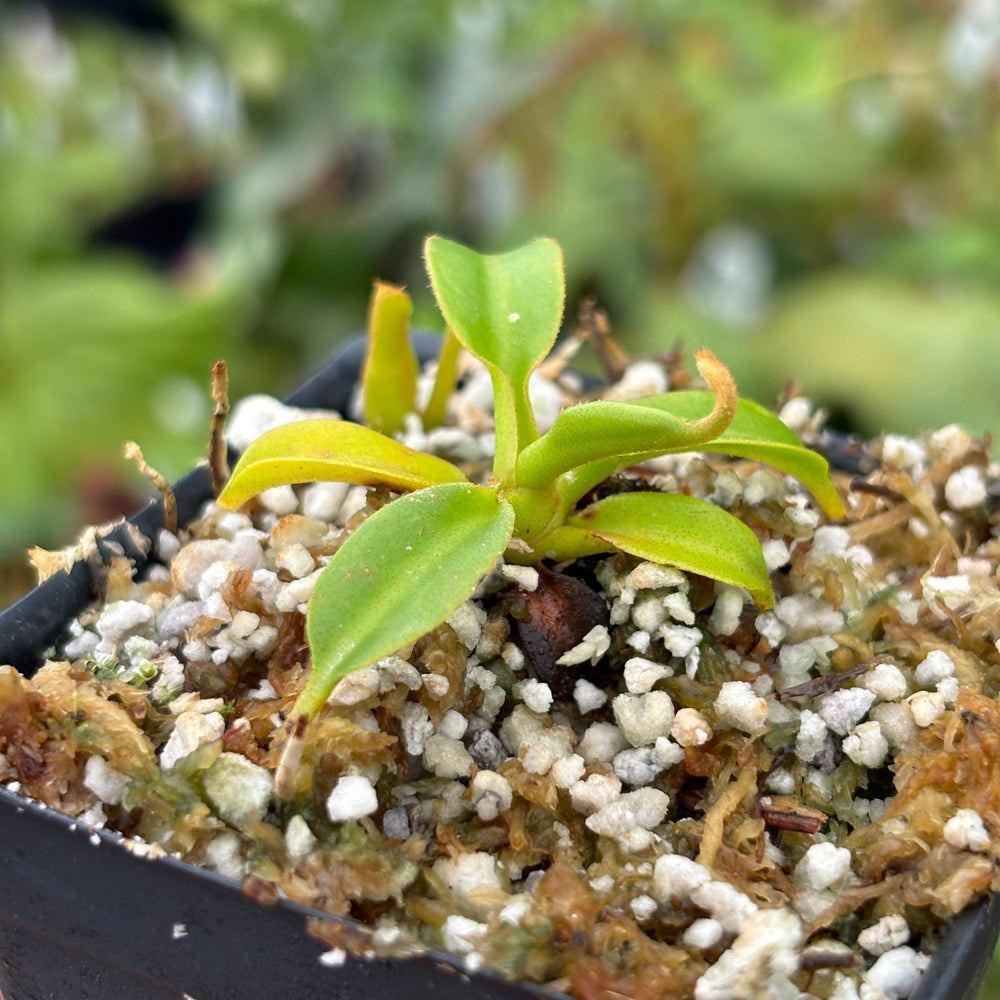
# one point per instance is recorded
(438, 542)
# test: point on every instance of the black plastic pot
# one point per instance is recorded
(84, 917)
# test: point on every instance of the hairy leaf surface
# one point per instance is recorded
(754, 432)
(607, 430)
(681, 531)
(402, 572)
(757, 433)
(506, 310)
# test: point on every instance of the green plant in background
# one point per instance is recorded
(91, 334)
(413, 562)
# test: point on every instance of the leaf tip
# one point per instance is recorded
(430, 242)
(764, 599)
(229, 497)
(719, 379)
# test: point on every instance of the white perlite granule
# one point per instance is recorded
(866, 745)
(965, 488)
(740, 707)
(887, 933)
(447, 757)
(811, 737)
(121, 619)
(467, 873)
(641, 674)
(675, 877)
(725, 903)
(461, 935)
(591, 647)
(238, 789)
(704, 933)
(191, 730)
(352, 798)
(104, 781)
(886, 681)
(690, 728)
(643, 809)
(491, 794)
(966, 831)
(894, 975)
(590, 794)
(725, 617)
(936, 666)
(760, 962)
(535, 694)
(643, 718)
(925, 707)
(823, 866)
(842, 710)
(299, 839)
(588, 697)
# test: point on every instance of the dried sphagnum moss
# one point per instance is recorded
(561, 877)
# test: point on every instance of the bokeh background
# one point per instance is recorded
(810, 187)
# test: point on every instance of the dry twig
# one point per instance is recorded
(134, 453)
(218, 462)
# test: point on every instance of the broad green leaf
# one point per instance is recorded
(389, 380)
(506, 310)
(309, 451)
(401, 573)
(681, 531)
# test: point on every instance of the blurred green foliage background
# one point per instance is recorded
(810, 188)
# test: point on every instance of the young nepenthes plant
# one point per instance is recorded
(410, 565)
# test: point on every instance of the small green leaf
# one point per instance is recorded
(610, 431)
(506, 310)
(402, 572)
(389, 380)
(603, 430)
(681, 531)
(753, 433)
(757, 433)
(308, 451)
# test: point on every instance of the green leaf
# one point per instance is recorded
(614, 433)
(757, 433)
(389, 380)
(506, 310)
(681, 531)
(308, 451)
(603, 428)
(402, 572)
(562, 544)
